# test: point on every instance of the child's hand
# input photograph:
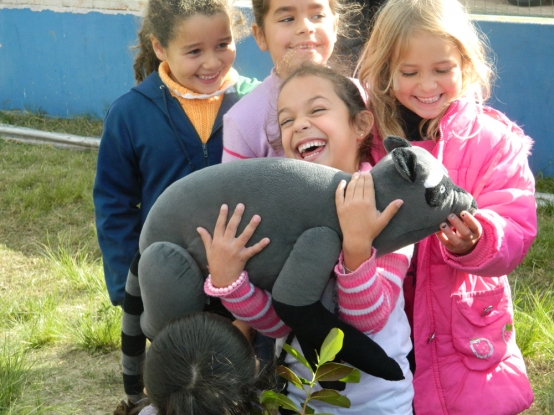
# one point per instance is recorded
(464, 236)
(359, 219)
(226, 253)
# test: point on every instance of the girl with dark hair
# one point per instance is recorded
(200, 364)
(323, 119)
(167, 126)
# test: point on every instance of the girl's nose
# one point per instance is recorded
(301, 125)
(428, 83)
(212, 61)
(305, 26)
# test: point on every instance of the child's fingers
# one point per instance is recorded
(219, 229)
(369, 189)
(351, 189)
(234, 222)
(339, 193)
(467, 228)
(249, 230)
(206, 238)
(256, 248)
(472, 223)
(389, 212)
(442, 238)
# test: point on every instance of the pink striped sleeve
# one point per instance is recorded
(253, 306)
(367, 296)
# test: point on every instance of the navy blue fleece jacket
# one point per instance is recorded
(148, 143)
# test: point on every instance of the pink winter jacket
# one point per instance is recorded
(467, 360)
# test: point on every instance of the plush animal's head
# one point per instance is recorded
(421, 181)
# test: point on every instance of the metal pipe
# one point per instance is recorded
(29, 135)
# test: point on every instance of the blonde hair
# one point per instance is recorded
(397, 21)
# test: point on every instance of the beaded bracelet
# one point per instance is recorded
(222, 292)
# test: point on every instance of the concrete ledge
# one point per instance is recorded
(31, 136)
(544, 198)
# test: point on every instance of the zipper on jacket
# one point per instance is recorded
(205, 152)
(177, 137)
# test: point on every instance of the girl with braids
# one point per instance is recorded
(167, 126)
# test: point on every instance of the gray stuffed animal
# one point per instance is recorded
(296, 201)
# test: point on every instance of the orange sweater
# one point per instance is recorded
(200, 111)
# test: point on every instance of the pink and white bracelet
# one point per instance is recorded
(212, 291)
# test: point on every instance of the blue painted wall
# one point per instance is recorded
(525, 85)
(70, 63)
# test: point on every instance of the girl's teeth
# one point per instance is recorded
(429, 100)
(305, 146)
(207, 78)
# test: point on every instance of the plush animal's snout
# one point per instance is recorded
(464, 198)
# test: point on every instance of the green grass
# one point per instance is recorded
(83, 125)
(60, 344)
(545, 184)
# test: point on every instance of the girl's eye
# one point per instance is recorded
(408, 74)
(194, 52)
(286, 20)
(318, 16)
(285, 122)
(444, 70)
(223, 45)
(319, 109)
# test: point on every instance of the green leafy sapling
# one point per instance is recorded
(326, 370)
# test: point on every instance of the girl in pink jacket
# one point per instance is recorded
(427, 75)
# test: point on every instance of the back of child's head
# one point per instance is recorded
(396, 23)
(347, 91)
(162, 20)
(200, 364)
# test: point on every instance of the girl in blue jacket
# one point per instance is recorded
(167, 126)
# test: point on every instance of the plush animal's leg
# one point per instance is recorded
(171, 286)
(312, 323)
(296, 295)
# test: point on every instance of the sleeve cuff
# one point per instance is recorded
(366, 267)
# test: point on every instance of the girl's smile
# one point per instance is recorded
(201, 53)
(297, 30)
(429, 76)
(315, 124)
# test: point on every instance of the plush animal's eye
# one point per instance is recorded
(436, 195)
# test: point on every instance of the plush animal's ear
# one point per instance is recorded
(405, 162)
(391, 142)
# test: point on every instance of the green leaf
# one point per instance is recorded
(333, 371)
(298, 356)
(331, 397)
(289, 375)
(331, 345)
(270, 397)
(309, 410)
(354, 377)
